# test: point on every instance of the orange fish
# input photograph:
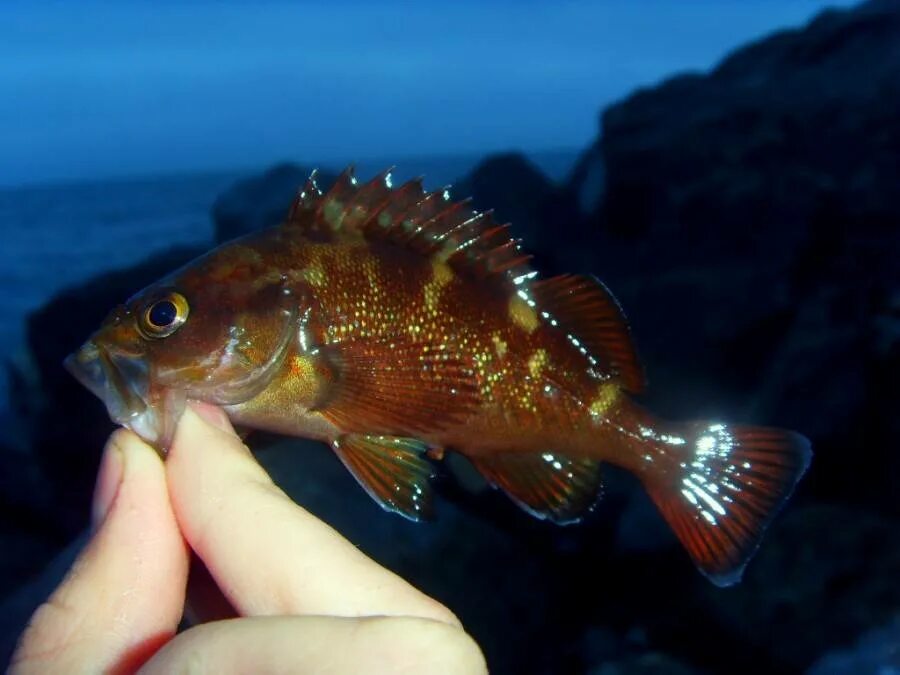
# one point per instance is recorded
(395, 325)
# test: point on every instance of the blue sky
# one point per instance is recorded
(99, 89)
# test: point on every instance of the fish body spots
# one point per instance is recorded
(537, 362)
(607, 395)
(314, 274)
(372, 272)
(500, 345)
(441, 275)
(522, 314)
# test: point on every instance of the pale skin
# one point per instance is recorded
(307, 600)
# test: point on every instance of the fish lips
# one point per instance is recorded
(122, 382)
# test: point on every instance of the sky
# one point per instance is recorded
(97, 89)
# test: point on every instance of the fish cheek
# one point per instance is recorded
(186, 359)
(226, 349)
(249, 352)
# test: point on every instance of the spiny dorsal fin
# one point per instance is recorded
(305, 205)
(309, 194)
(584, 307)
(549, 486)
(430, 223)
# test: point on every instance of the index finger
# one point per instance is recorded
(267, 554)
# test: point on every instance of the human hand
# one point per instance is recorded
(307, 599)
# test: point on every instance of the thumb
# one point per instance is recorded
(123, 597)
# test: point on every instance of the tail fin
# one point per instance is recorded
(723, 488)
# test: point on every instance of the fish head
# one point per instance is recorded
(217, 330)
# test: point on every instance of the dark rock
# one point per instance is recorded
(645, 664)
(774, 128)
(748, 224)
(876, 653)
(824, 576)
(515, 189)
(28, 532)
(589, 179)
(542, 213)
(261, 201)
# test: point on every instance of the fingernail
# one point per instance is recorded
(109, 478)
(212, 415)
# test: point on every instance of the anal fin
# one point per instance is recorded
(548, 485)
(394, 471)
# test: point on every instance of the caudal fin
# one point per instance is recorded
(719, 486)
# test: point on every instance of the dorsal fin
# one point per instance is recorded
(430, 223)
(585, 308)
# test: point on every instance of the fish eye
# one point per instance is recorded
(164, 316)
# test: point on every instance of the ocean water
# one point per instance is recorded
(58, 235)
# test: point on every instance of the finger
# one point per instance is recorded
(123, 597)
(314, 644)
(268, 555)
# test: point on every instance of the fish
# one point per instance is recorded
(396, 325)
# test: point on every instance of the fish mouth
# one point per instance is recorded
(122, 382)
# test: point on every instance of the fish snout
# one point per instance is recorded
(85, 365)
(120, 380)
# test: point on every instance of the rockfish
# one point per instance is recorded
(396, 324)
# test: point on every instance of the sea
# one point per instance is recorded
(55, 236)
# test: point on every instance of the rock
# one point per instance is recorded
(774, 128)
(261, 201)
(589, 179)
(515, 189)
(29, 533)
(876, 653)
(541, 212)
(747, 222)
(824, 576)
(645, 664)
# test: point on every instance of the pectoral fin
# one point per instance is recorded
(394, 471)
(398, 386)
